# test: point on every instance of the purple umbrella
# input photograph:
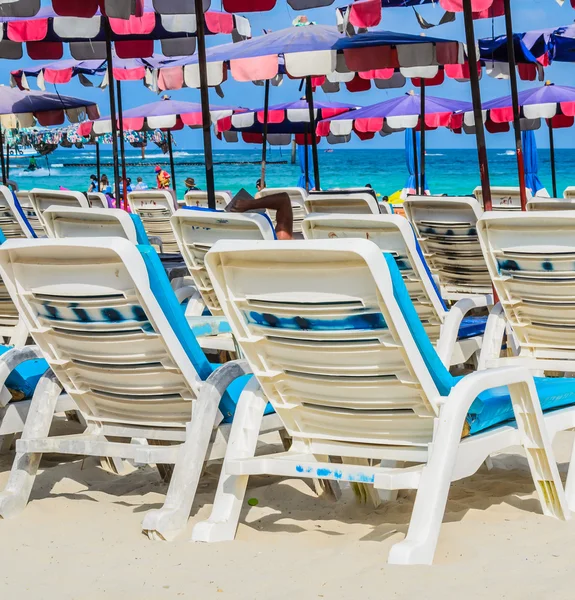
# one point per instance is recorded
(165, 114)
(25, 109)
(275, 122)
(555, 103)
(394, 115)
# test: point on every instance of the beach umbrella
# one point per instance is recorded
(396, 114)
(554, 103)
(167, 115)
(121, 9)
(19, 109)
(304, 52)
(278, 123)
(532, 181)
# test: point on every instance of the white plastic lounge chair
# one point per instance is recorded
(503, 198)
(352, 203)
(104, 315)
(457, 337)
(551, 204)
(446, 229)
(199, 199)
(569, 193)
(531, 257)
(13, 222)
(42, 199)
(155, 207)
(97, 200)
(349, 369)
(297, 196)
(23, 198)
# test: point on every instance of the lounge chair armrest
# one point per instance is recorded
(185, 293)
(9, 361)
(493, 338)
(451, 325)
(217, 383)
(156, 241)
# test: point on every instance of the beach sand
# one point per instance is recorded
(80, 538)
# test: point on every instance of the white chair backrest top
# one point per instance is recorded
(569, 192)
(392, 234)
(446, 229)
(503, 198)
(97, 200)
(42, 199)
(155, 208)
(297, 196)
(196, 231)
(65, 222)
(29, 212)
(551, 204)
(531, 258)
(199, 198)
(89, 306)
(356, 203)
(327, 340)
(12, 223)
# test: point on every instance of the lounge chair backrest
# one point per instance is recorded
(446, 229)
(503, 198)
(197, 231)
(13, 222)
(65, 222)
(352, 203)
(569, 192)
(155, 207)
(104, 315)
(297, 196)
(42, 199)
(551, 204)
(198, 198)
(324, 326)
(23, 197)
(97, 200)
(531, 258)
(392, 234)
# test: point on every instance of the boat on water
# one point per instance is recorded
(22, 151)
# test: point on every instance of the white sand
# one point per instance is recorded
(80, 538)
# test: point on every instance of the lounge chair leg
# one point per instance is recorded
(17, 492)
(223, 522)
(419, 545)
(389, 495)
(169, 521)
(570, 484)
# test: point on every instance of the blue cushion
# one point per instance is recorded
(141, 235)
(23, 215)
(166, 298)
(25, 376)
(492, 407)
(472, 326)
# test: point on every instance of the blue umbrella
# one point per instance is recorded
(305, 181)
(532, 181)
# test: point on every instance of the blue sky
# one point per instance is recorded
(527, 14)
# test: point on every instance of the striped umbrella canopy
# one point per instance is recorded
(46, 32)
(396, 114)
(164, 114)
(121, 9)
(26, 109)
(62, 71)
(283, 121)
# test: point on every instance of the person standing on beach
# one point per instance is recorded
(190, 184)
(162, 178)
(140, 185)
(93, 187)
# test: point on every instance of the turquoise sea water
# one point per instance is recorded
(448, 171)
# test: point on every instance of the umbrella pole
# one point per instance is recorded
(265, 135)
(552, 152)
(122, 145)
(422, 126)
(306, 163)
(515, 103)
(477, 108)
(309, 98)
(98, 164)
(205, 99)
(2, 165)
(7, 160)
(415, 160)
(112, 110)
(172, 166)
